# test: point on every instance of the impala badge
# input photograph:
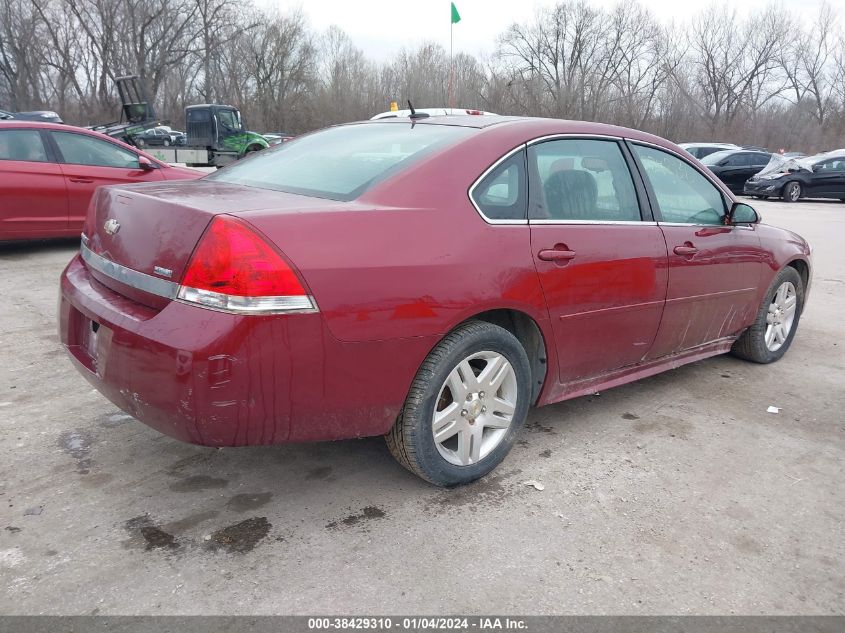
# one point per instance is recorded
(111, 226)
(164, 272)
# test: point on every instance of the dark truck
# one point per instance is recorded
(216, 135)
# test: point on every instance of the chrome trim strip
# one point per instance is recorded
(583, 135)
(133, 278)
(708, 226)
(484, 174)
(590, 222)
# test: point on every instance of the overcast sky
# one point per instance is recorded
(382, 27)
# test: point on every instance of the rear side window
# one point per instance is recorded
(81, 149)
(23, 145)
(502, 193)
(341, 163)
(683, 195)
(582, 180)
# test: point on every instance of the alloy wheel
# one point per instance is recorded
(475, 408)
(794, 192)
(781, 316)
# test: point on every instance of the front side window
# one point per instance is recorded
(340, 163)
(501, 195)
(81, 149)
(582, 180)
(23, 145)
(227, 120)
(683, 194)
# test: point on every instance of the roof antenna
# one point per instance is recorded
(414, 114)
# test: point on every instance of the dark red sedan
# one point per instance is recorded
(49, 172)
(424, 280)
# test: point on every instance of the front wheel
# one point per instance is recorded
(465, 407)
(166, 143)
(792, 191)
(139, 142)
(777, 320)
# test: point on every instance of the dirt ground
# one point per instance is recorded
(678, 494)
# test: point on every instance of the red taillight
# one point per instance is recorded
(233, 268)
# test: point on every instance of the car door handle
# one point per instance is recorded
(86, 181)
(687, 250)
(556, 255)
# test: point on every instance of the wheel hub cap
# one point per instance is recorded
(781, 316)
(475, 408)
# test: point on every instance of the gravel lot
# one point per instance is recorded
(677, 494)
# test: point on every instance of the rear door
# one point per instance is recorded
(601, 262)
(88, 162)
(714, 269)
(33, 195)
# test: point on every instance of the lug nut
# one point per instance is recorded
(469, 397)
(483, 409)
(463, 413)
(481, 395)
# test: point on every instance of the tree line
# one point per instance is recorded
(774, 78)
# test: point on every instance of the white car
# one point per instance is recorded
(700, 150)
(398, 114)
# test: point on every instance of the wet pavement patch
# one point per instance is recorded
(198, 482)
(13, 529)
(630, 416)
(249, 501)
(366, 514)
(151, 535)
(77, 444)
(242, 537)
(546, 453)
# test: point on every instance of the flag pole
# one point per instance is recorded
(451, 65)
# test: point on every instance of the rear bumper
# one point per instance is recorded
(219, 379)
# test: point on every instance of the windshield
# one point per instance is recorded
(716, 157)
(340, 163)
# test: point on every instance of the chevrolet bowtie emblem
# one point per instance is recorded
(111, 226)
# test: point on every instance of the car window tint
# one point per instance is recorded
(760, 159)
(501, 195)
(683, 194)
(342, 162)
(81, 149)
(22, 145)
(583, 179)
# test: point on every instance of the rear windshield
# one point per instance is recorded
(341, 163)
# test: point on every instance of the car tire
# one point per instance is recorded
(474, 440)
(166, 143)
(139, 142)
(791, 191)
(761, 342)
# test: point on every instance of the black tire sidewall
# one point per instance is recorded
(787, 189)
(436, 468)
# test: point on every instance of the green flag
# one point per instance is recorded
(456, 17)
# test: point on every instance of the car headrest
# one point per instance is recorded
(571, 195)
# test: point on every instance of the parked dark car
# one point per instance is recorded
(157, 136)
(819, 176)
(45, 116)
(700, 150)
(734, 167)
(428, 281)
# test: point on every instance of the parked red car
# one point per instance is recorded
(48, 173)
(424, 280)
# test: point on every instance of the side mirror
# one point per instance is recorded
(743, 214)
(145, 163)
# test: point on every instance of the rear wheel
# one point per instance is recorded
(139, 142)
(166, 142)
(465, 407)
(777, 320)
(792, 191)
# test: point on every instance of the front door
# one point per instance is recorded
(89, 162)
(828, 179)
(714, 269)
(602, 265)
